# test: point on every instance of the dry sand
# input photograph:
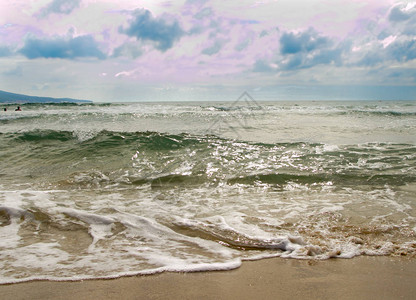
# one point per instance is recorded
(358, 278)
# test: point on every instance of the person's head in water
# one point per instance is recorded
(18, 109)
(5, 109)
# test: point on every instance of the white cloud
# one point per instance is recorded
(125, 73)
(388, 40)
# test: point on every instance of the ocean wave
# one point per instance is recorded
(44, 135)
(345, 180)
(382, 113)
(148, 139)
(45, 105)
(166, 141)
(183, 159)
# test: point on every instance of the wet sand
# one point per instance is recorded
(357, 278)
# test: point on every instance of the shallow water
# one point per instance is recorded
(105, 190)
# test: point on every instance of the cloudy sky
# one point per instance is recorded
(146, 50)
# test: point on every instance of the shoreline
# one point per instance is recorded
(361, 277)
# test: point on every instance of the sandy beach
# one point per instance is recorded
(358, 278)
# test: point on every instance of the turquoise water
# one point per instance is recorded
(106, 190)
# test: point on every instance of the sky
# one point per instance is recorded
(149, 50)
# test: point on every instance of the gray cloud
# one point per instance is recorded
(261, 66)
(197, 3)
(371, 59)
(128, 50)
(242, 46)
(5, 51)
(307, 49)
(162, 31)
(403, 50)
(214, 49)
(59, 7)
(404, 21)
(307, 41)
(397, 15)
(403, 73)
(204, 13)
(17, 71)
(82, 46)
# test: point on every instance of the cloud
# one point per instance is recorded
(197, 3)
(242, 45)
(402, 51)
(59, 7)
(5, 51)
(214, 49)
(403, 19)
(82, 46)
(307, 49)
(260, 66)
(164, 32)
(204, 13)
(291, 43)
(17, 71)
(327, 56)
(395, 41)
(125, 73)
(403, 74)
(371, 59)
(397, 14)
(127, 50)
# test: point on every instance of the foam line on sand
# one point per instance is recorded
(357, 278)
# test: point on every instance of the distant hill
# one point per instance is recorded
(6, 97)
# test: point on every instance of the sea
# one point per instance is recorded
(104, 190)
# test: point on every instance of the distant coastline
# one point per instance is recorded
(12, 98)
